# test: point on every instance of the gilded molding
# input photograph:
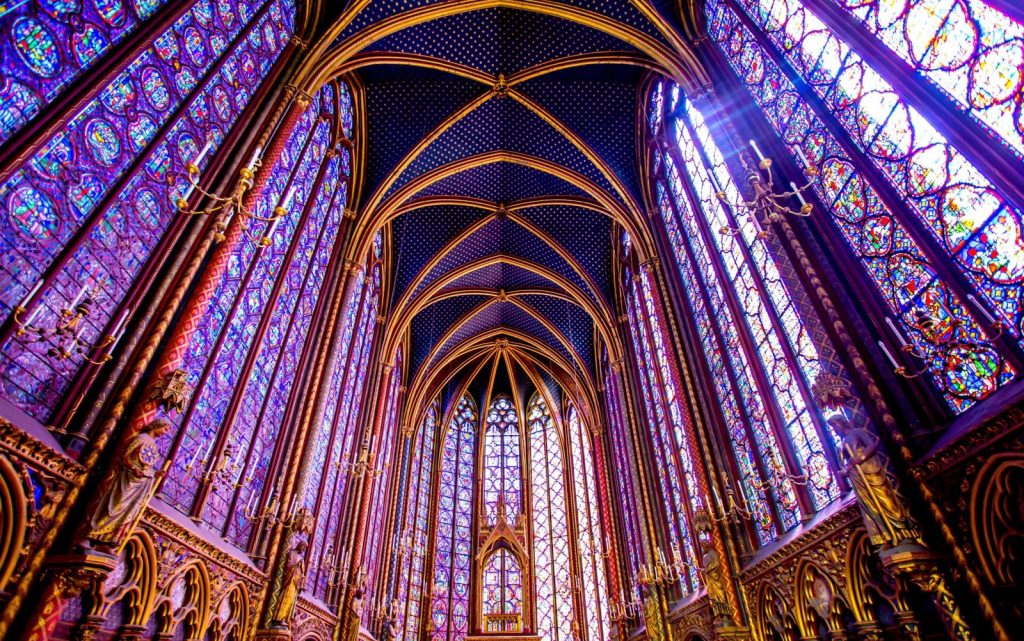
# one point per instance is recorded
(38, 455)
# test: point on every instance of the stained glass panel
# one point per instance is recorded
(109, 159)
(502, 474)
(452, 555)
(889, 252)
(550, 529)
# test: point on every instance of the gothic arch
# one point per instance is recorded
(773, 615)
(13, 519)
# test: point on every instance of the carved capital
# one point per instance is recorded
(171, 391)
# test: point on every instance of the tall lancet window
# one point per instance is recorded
(342, 418)
(249, 348)
(414, 525)
(383, 448)
(936, 224)
(550, 525)
(502, 471)
(454, 534)
(88, 206)
(623, 475)
(590, 539)
(756, 342)
(663, 405)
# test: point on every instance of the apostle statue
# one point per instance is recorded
(293, 576)
(353, 619)
(127, 491)
(885, 514)
(714, 581)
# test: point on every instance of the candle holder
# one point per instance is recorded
(766, 206)
(225, 208)
(65, 337)
(663, 572)
(223, 470)
(363, 465)
(625, 611)
(939, 335)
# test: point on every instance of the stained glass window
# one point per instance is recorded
(671, 457)
(384, 446)
(93, 200)
(969, 50)
(47, 45)
(415, 523)
(588, 525)
(348, 378)
(625, 481)
(756, 341)
(502, 474)
(923, 201)
(227, 345)
(454, 532)
(550, 527)
(503, 584)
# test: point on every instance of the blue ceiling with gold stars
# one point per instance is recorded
(502, 153)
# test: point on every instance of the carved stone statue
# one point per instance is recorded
(354, 617)
(714, 581)
(293, 576)
(885, 514)
(389, 627)
(127, 491)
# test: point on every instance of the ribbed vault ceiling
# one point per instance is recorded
(501, 153)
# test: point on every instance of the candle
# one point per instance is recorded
(188, 192)
(79, 296)
(251, 503)
(892, 327)
(272, 227)
(757, 150)
(289, 197)
(121, 321)
(888, 355)
(28, 297)
(714, 181)
(981, 309)
(202, 154)
(32, 316)
(255, 158)
(796, 191)
(117, 339)
(803, 157)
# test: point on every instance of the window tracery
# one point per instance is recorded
(906, 200)
(92, 203)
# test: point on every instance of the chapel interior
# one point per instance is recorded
(511, 320)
